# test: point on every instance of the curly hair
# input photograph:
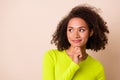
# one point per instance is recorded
(94, 21)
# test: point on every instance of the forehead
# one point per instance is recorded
(77, 22)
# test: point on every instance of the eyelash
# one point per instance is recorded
(70, 30)
(81, 30)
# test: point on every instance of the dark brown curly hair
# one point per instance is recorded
(94, 21)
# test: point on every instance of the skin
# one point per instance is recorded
(77, 33)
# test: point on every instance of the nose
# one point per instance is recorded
(76, 34)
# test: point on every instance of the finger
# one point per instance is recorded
(79, 56)
(78, 51)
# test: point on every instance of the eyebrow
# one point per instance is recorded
(78, 27)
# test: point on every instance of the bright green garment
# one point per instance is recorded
(58, 66)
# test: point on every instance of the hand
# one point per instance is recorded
(77, 57)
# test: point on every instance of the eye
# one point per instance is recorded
(70, 30)
(81, 30)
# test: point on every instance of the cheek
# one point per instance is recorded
(69, 37)
(85, 36)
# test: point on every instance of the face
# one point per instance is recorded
(77, 32)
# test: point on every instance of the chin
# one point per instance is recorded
(78, 45)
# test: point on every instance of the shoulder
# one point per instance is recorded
(96, 63)
(96, 68)
(52, 53)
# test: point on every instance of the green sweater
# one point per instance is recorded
(58, 66)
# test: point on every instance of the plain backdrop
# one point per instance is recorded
(26, 28)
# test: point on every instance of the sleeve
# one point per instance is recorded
(101, 75)
(48, 68)
(69, 73)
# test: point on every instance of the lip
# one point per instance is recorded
(76, 41)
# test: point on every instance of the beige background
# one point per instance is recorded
(26, 27)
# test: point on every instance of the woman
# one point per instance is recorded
(83, 28)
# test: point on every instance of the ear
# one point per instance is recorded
(91, 33)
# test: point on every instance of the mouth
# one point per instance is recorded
(76, 41)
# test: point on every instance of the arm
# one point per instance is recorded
(48, 68)
(101, 75)
(73, 67)
(69, 73)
